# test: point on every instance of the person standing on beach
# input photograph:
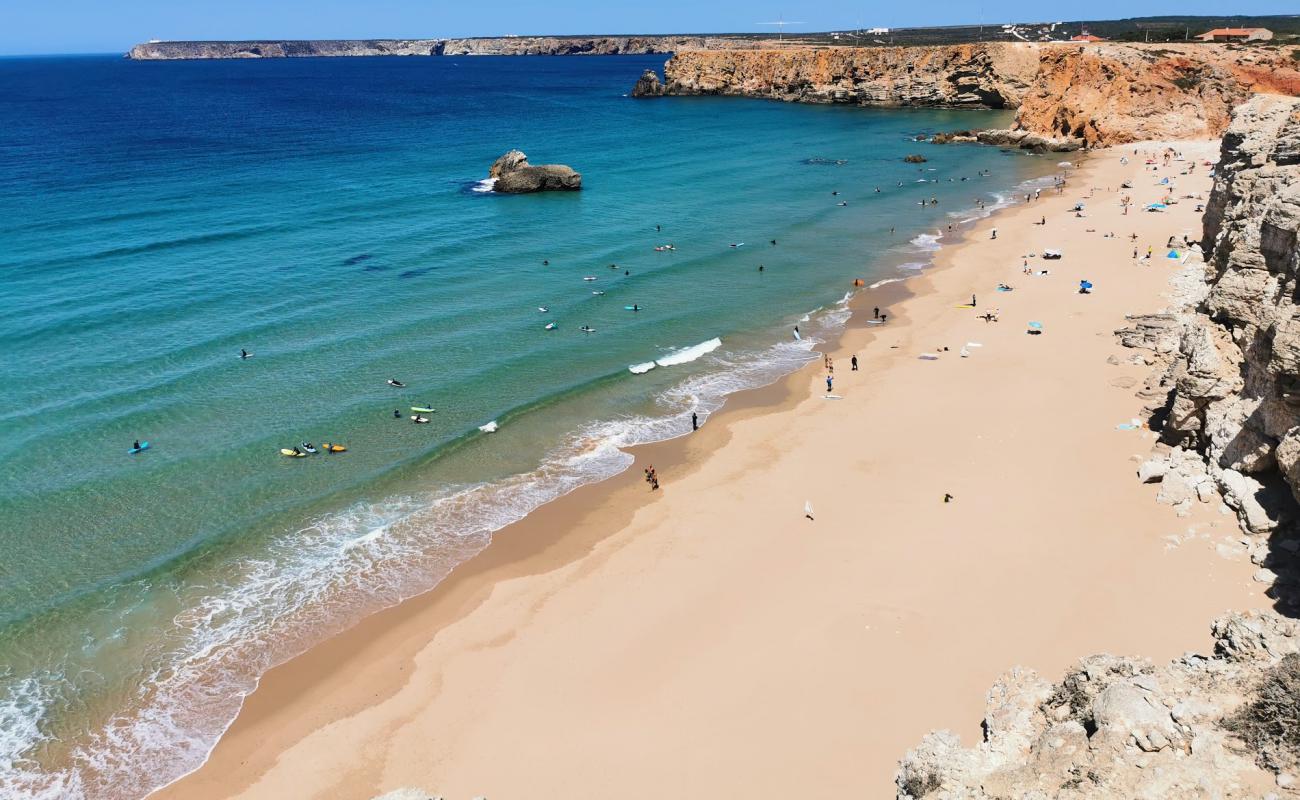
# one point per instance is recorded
(875, 312)
(972, 301)
(830, 382)
(854, 361)
(695, 421)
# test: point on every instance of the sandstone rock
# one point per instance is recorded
(914, 158)
(990, 75)
(648, 85)
(514, 175)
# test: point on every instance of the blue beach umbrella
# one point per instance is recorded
(1172, 254)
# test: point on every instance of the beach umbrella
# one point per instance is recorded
(1172, 254)
(1064, 164)
(1038, 326)
(1085, 284)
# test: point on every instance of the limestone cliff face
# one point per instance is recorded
(302, 48)
(1225, 396)
(1117, 93)
(1112, 728)
(503, 46)
(1094, 94)
(989, 75)
(1232, 376)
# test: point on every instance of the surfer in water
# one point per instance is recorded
(244, 353)
(397, 414)
(136, 446)
(636, 307)
(397, 383)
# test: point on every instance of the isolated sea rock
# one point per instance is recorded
(914, 158)
(514, 175)
(648, 85)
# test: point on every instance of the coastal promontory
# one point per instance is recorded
(514, 175)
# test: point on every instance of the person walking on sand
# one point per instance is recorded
(830, 382)
(854, 362)
(695, 421)
(995, 233)
(875, 312)
(972, 301)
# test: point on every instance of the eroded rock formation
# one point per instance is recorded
(514, 175)
(648, 85)
(1227, 386)
(987, 76)
(1067, 95)
(1113, 728)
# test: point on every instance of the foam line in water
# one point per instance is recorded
(689, 354)
(641, 369)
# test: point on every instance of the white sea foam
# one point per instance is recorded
(485, 185)
(641, 369)
(689, 354)
(880, 283)
(927, 242)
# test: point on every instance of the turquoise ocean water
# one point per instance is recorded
(329, 216)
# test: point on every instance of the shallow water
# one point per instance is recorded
(328, 215)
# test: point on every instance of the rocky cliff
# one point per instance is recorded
(1225, 397)
(989, 76)
(1117, 93)
(1095, 94)
(1116, 728)
(504, 46)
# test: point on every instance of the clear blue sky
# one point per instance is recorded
(92, 26)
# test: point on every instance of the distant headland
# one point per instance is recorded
(1136, 29)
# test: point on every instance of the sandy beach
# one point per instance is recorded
(709, 639)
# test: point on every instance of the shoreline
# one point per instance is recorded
(582, 531)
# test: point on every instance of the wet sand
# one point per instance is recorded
(709, 639)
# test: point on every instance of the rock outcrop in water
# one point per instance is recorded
(1067, 95)
(1225, 397)
(514, 175)
(648, 85)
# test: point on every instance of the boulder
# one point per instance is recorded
(915, 158)
(514, 175)
(648, 85)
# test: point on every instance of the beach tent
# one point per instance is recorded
(1156, 207)
(1173, 254)
(1164, 181)
(1085, 284)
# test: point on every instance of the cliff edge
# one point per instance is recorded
(1095, 94)
(1225, 398)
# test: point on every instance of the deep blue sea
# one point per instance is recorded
(330, 217)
